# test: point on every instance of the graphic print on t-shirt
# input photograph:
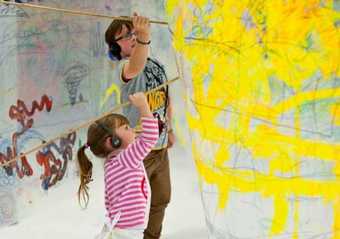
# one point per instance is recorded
(155, 76)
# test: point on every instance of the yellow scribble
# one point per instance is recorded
(257, 61)
(335, 111)
(113, 89)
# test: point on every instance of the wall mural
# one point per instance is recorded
(262, 94)
(264, 114)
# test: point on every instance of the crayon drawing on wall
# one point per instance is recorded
(264, 112)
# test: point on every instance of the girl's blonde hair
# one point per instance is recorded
(97, 133)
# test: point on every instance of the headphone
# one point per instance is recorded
(116, 142)
(114, 52)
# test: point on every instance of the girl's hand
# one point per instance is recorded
(139, 100)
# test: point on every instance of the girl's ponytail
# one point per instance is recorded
(85, 174)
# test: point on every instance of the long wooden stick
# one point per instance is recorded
(83, 125)
(74, 12)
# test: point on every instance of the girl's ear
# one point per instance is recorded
(108, 143)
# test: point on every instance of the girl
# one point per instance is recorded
(127, 189)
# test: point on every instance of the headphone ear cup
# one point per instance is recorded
(114, 52)
(116, 142)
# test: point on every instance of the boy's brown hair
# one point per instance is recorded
(115, 27)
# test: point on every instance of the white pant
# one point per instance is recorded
(117, 233)
(126, 234)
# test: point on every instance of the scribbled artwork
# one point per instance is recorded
(54, 74)
(45, 71)
(8, 206)
(8, 214)
(262, 82)
(264, 98)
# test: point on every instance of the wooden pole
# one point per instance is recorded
(83, 125)
(74, 12)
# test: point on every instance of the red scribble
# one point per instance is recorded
(44, 161)
(49, 171)
(24, 169)
(22, 114)
(20, 111)
(55, 168)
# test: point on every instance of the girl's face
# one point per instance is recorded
(126, 134)
(126, 39)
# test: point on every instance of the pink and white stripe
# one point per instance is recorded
(126, 190)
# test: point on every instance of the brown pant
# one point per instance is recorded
(157, 168)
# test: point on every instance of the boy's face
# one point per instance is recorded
(126, 39)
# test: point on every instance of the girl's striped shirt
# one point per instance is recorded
(126, 189)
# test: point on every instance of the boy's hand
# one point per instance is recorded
(171, 139)
(142, 27)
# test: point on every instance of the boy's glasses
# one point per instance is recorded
(127, 36)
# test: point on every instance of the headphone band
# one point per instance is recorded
(116, 142)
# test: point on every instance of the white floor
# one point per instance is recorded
(58, 215)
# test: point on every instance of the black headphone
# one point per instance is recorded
(114, 52)
(116, 142)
